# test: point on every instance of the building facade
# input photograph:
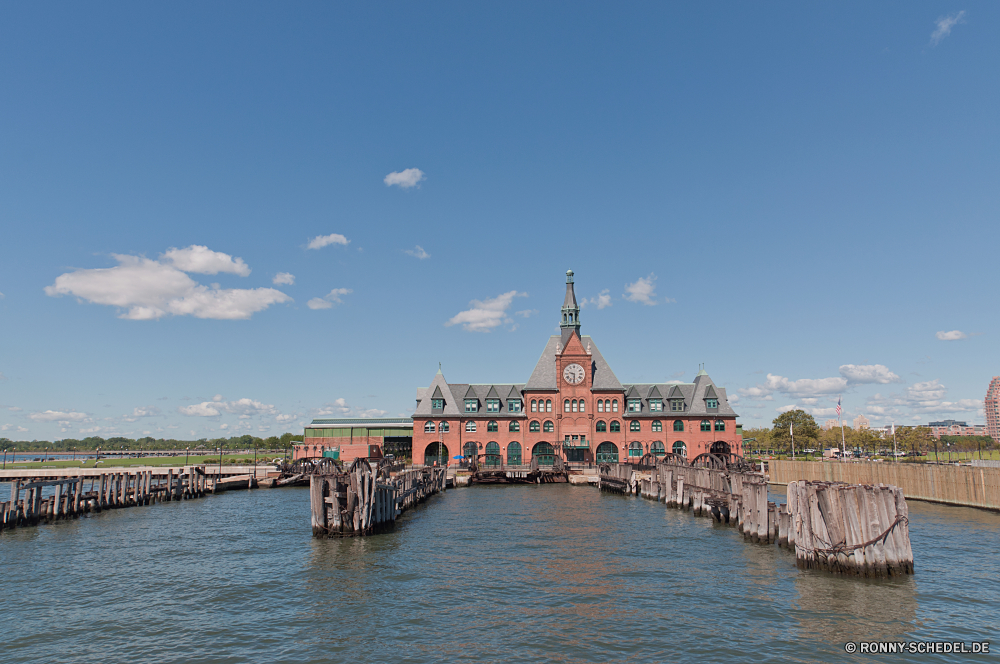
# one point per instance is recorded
(992, 408)
(955, 428)
(572, 406)
(348, 439)
(861, 423)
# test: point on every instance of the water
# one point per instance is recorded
(490, 573)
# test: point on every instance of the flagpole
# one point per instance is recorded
(843, 440)
(791, 430)
(894, 457)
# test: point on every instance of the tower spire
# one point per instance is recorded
(570, 309)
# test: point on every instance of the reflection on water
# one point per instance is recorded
(521, 573)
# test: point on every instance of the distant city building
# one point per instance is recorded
(955, 428)
(992, 407)
(830, 424)
(861, 422)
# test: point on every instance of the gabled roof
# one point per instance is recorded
(514, 392)
(471, 393)
(437, 394)
(632, 392)
(710, 393)
(675, 392)
(492, 394)
(654, 393)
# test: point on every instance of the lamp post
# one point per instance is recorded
(255, 459)
(948, 445)
(5, 458)
(936, 459)
(187, 453)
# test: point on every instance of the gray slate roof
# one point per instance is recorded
(544, 376)
(456, 408)
(694, 395)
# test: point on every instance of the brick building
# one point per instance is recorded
(573, 406)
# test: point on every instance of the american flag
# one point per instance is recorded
(838, 407)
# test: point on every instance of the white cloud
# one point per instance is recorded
(805, 387)
(921, 400)
(203, 260)
(321, 241)
(602, 300)
(21, 429)
(142, 411)
(341, 407)
(944, 26)
(58, 416)
(203, 409)
(484, 315)
(868, 373)
(404, 179)
(217, 398)
(643, 290)
(526, 313)
(419, 252)
(785, 409)
(2, 296)
(284, 279)
(149, 289)
(284, 418)
(328, 300)
(954, 335)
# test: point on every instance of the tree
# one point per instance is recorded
(761, 440)
(806, 431)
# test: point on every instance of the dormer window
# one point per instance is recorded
(656, 405)
(437, 404)
(677, 405)
(471, 405)
(711, 403)
(634, 405)
(493, 405)
(513, 405)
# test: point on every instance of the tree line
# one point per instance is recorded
(150, 444)
(808, 435)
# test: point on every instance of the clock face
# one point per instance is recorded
(574, 374)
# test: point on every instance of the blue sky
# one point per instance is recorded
(802, 196)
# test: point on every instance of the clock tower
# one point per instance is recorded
(570, 311)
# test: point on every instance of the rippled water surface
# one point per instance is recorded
(511, 573)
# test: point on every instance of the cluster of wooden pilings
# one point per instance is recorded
(363, 502)
(110, 490)
(855, 529)
(841, 528)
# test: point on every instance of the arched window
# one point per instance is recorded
(607, 405)
(616, 426)
(544, 453)
(470, 450)
(428, 427)
(548, 426)
(600, 405)
(706, 425)
(548, 405)
(444, 428)
(634, 426)
(582, 409)
(614, 406)
(533, 426)
(566, 406)
(720, 425)
(492, 427)
(534, 406)
(514, 426)
(607, 453)
(657, 449)
(470, 427)
(680, 449)
(601, 426)
(514, 454)
(657, 426)
(678, 425)
(574, 405)
(635, 449)
(493, 458)
(436, 453)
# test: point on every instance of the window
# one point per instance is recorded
(711, 403)
(635, 449)
(678, 425)
(680, 449)
(657, 426)
(720, 425)
(600, 405)
(534, 406)
(533, 426)
(656, 405)
(706, 425)
(677, 405)
(601, 426)
(574, 405)
(582, 409)
(493, 405)
(657, 448)
(513, 405)
(634, 426)
(566, 406)
(428, 427)
(437, 404)
(444, 427)
(548, 405)
(514, 426)
(491, 426)
(471, 405)
(614, 406)
(616, 426)
(514, 454)
(634, 405)
(548, 427)
(470, 427)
